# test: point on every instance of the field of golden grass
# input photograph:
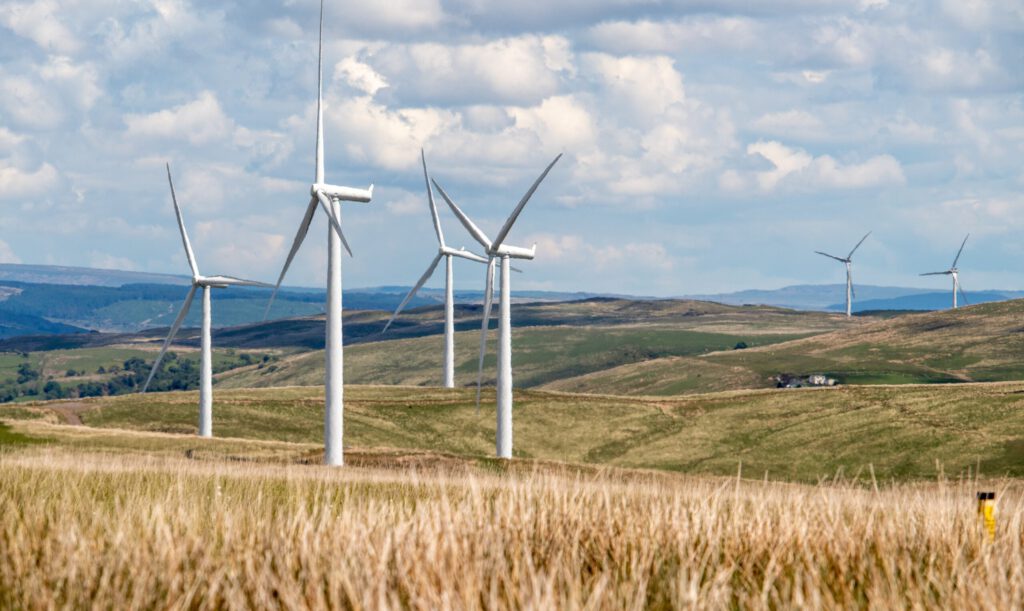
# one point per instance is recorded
(93, 530)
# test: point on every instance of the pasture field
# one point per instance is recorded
(541, 354)
(980, 343)
(84, 529)
(672, 353)
(908, 432)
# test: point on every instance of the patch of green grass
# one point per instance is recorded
(11, 439)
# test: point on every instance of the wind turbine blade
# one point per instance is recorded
(320, 101)
(300, 235)
(181, 225)
(423, 279)
(471, 227)
(430, 197)
(467, 255)
(170, 336)
(959, 252)
(962, 293)
(858, 245)
(232, 281)
(825, 254)
(326, 205)
(488, 302)
(937, 274)
(522, 204)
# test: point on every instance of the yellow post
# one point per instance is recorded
(987, 512)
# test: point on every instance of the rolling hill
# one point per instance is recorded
(972, 344)
(552, 341)
(899, 432)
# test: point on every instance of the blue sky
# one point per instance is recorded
(709, 146)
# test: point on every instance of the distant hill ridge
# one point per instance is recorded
(45, 299)
(832, 297)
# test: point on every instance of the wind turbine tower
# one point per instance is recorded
(848, 261)
(206, 356)
(955, 273)
(329, 197)
(497, 249)
(443, 251)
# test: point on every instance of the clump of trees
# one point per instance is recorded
(174, 374)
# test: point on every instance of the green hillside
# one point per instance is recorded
(972, 344)
(551, 341)
(900, 431)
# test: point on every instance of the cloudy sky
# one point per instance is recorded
(709, 146)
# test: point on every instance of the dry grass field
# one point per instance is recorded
(94, 530)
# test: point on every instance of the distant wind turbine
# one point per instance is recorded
(206, 361)
(498, 249)
(449, 307)
(953, 271)
(848, 260)
(328, 197)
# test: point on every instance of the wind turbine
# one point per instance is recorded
(328, 197)
(848, 260)
(206, 360)
(449, 307)
(498, 249)
(953, 271)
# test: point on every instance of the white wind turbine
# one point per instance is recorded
(206, 283)
(449, 307)
(498, 249)
(850, 294)
(328, 197)
(953, 271)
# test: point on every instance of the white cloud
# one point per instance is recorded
(791, 123)
(560, 122)
(198, 122)
(16, 183)
(77, 82)
(370, 132)
(574, 250)
(28, 103)
(797, 168)
(38, 22)
(360, 76)
(517, 70)
(699, 32)
(9, 139)
(396, 14)
(405, 203)
(644, 86)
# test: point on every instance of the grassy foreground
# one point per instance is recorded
(904, 432)
(95, 531)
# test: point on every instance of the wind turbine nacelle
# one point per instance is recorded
(213, 283)
(347, 194)
(517, 252)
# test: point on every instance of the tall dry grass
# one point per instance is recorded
(94, 531)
